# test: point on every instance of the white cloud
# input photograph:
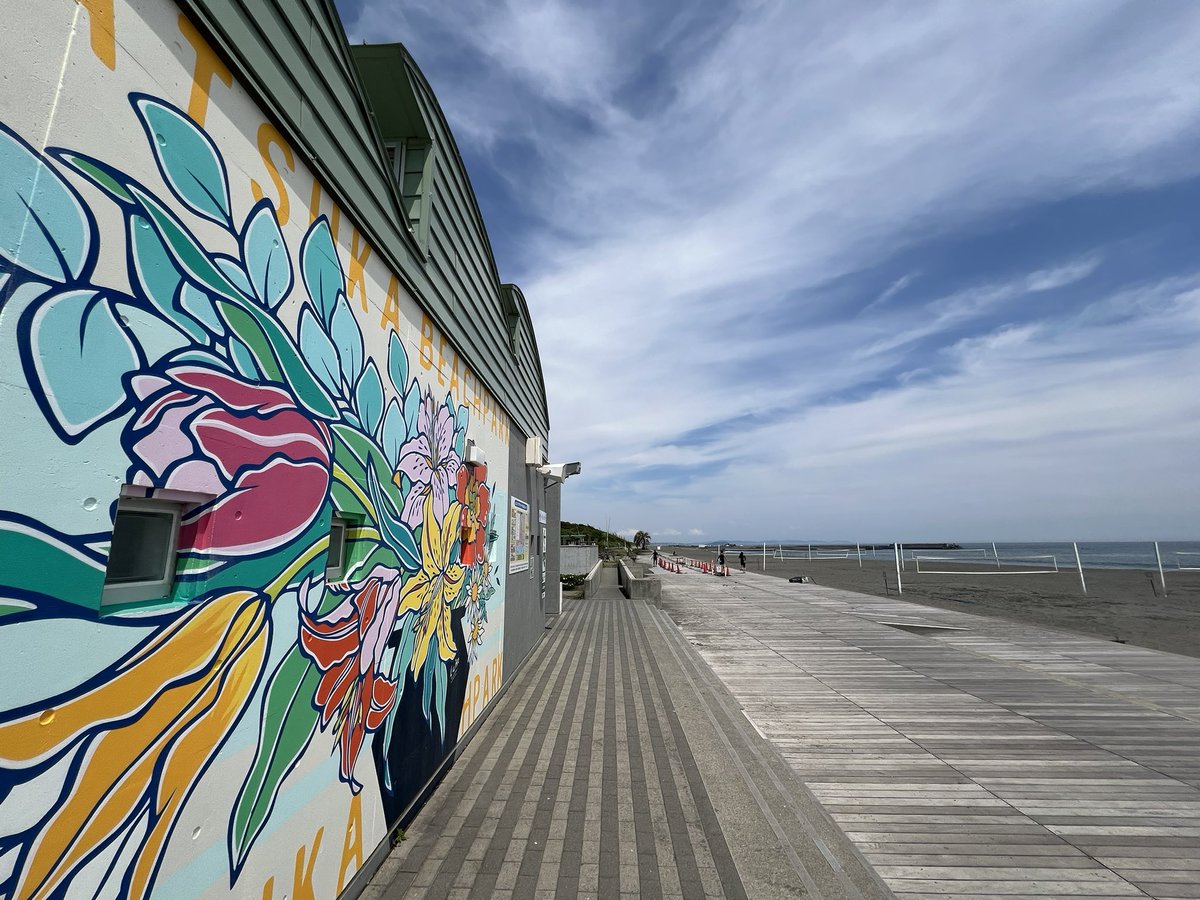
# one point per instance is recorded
(1061, 276)
(690, 237)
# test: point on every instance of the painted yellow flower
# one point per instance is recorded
(144, 734)
(431, 592)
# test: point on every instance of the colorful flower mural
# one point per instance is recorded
(265, 402)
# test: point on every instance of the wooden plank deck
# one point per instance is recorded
(999, 760)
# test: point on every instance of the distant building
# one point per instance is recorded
(272, 534)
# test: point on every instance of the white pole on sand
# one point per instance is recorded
(899, 583)
(810, 551)
(900, 548)
(995, 555)
(1079, 565)
(764, 556)
(858, 550)
(1161, 577)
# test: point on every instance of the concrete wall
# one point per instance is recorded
(187, 318)
(578, 559)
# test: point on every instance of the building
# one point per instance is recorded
(272, 532)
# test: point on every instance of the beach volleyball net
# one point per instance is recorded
(1187, 561)
(814, 553)
(958, 562)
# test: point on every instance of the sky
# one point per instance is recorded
(844, 271)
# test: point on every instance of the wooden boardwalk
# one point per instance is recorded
(983, 759)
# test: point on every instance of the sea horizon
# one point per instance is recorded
(1175, 555)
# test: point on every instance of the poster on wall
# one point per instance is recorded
(518, 536)
(542, 553)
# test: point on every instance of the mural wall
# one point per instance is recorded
(185, 315)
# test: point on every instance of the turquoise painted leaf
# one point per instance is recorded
(397, 363)
(197, 304)
(427, 687)
(44, 227)
(243, 359)
(154, 275)
(441, 678)
(319, 352)
(412, 407)
(80, 352)
(368, 398)
(289, 722)
(460, 441)
(196, 356)
(265, 255)
(232, 269)
(191, 258)
(189, 161)
(347, 338)
(321, 269)
(393, 435)
(395, 533)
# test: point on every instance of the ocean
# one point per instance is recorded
(1093, 554)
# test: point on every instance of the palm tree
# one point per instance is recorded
(641, 539)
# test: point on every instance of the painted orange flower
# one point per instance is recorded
(475, 498)
(347, 644)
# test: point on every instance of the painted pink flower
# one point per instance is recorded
(264, 461)
(347, 645)
(430, 462)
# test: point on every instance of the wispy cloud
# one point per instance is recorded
(721, 209)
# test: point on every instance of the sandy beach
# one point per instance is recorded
(1120, 603)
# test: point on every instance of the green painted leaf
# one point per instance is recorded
(110, 180)
(277, 356)
(441, 680)
(49, 565)
(347, 501)
(288, 723)
(189, 255)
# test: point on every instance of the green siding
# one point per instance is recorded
(293, 56)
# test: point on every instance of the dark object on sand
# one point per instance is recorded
(800, 579)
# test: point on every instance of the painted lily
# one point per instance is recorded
(142, 737)
(431, 593)
(430, 462)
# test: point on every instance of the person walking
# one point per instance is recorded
(742, 559)
(656, 557)
(721, 560)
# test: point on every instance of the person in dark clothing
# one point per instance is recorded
(721, 558)
(656, 557)
(742, 559)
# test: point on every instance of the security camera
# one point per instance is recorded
(556, 473)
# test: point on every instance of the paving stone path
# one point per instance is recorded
(617, 765)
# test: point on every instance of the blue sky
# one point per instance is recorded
(920, 271)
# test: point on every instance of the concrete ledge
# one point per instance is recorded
(591, 584)
(639, 583)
